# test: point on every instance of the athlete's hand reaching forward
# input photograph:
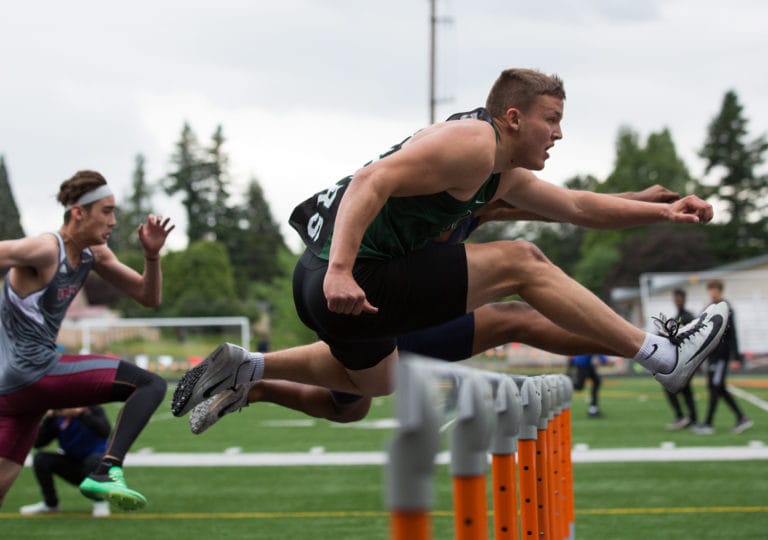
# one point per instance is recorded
(690, 209)
(655, 193)
(153, 233)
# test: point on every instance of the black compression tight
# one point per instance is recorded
(142, 392)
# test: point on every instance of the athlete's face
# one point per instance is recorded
(715, 294)
(538, 129)
(99, 220)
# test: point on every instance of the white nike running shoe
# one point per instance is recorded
(694, 342)
(213, 409)
(213, 375)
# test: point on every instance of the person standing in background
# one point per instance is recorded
(585, 369)
(717, 369)
(682, 420)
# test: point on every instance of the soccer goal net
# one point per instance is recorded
(157, 344)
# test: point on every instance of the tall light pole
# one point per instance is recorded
(433, 20)
(432, 31)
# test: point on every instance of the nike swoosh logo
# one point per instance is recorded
(653, 351)
(208, 391)
(717, 322)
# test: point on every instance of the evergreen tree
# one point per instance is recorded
(253, 245)
(10, 220)
(202, 177)
(248, 231)
(218, 170)
(191, 178)
(743, 191)
(638, 167)
(134, 211)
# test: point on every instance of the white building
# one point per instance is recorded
(745, 288)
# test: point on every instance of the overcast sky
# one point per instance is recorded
(308, 90)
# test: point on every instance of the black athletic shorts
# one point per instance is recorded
(422, 289)
(451, 341)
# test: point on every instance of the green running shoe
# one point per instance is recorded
(111, 487)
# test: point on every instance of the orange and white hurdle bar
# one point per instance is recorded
(523, 423)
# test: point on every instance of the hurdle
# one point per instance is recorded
(491, 414)
(509, 412)
(532, 407)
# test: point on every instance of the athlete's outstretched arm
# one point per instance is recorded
(145, 288)
(502, 210)
(523, 189)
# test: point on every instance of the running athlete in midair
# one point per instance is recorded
(370, 273)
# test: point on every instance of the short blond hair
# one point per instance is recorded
(519, 88)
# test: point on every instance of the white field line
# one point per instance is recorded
(234, 458)
(746, 396)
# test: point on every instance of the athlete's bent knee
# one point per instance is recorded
(351, 412)
(131, 378)
(522, 252)
(158, 384)
(517, 261)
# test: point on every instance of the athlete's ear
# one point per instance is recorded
(512, 118)
(77, 212)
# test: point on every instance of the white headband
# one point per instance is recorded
(94, 195)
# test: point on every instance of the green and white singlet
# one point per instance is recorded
(403, 225)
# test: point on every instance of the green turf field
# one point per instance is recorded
(705, 500)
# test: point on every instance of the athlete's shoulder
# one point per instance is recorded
(457, 144)
(480, 113)
(470, 148)
(470, 123)
(45, 241)
(459, 127)
(31, 251)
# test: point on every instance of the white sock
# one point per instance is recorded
(657, 354)
(256, 373)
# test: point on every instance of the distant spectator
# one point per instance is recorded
(585, 369)
(682, 420)
(717, 369)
